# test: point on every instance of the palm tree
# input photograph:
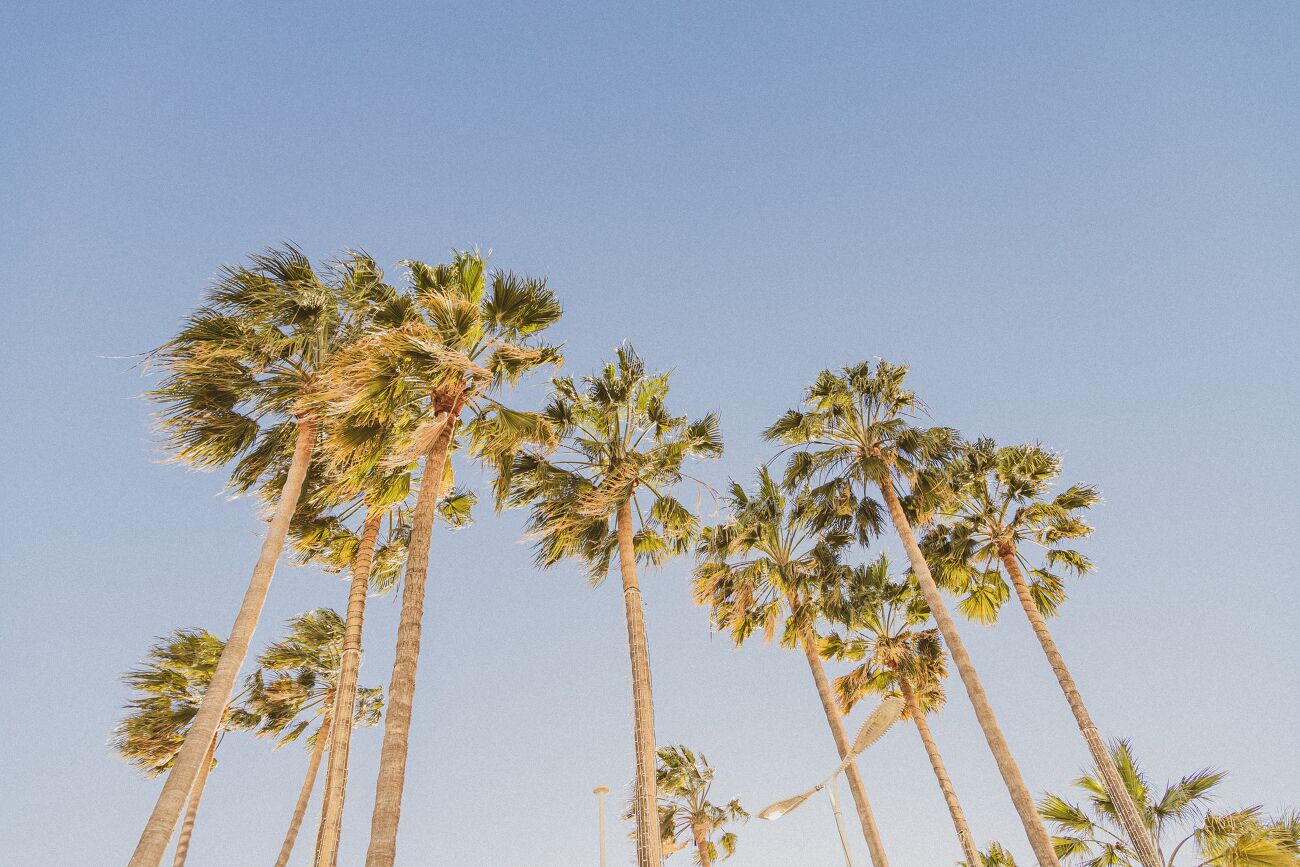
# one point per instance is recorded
(685, 811)
(605, 488)
(769, 566)
(994, 856)
(242, 381)
(857, 429)
(304, 668)
(883, 619)
(169, 687)
(999, 505)
(1092, 833)
(458, 334)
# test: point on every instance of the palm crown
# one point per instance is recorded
(1240, 838)
(996, 500)
(771, 560)
(616, 442)
(684, 782)
(883, 620)
(303, 668)
(857, 428)
(249, 362)
(168, 688)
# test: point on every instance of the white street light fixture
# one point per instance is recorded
(884, 716)
(600, 792)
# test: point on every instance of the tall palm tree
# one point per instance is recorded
(169, 687)
(242, 380)
(457, 335)
(857, 428)
(770, 566)
(606, 488)
(883, 619)
(304, 671)
(684, 781)
(1091, 832)
(999, 505)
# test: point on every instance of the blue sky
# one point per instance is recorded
(1078, 222)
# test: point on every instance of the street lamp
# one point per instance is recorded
(600, 792)
(884, 716)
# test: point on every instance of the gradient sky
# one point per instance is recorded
(1078, 222)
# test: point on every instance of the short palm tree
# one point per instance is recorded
(1091, 833)
(242, 381)
(993, 856)
(606, 488)
(857, 429)
(684, 781)
(169, 688)
(884, 622)
(767, 568)
(457, 335)
(296, 683)
(999, 506)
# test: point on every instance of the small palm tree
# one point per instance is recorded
(993, 856)
(242, 382)
(606, 487)
(169, 688)
(458, 334)
(1091, 832)
(303, 686)
(769, 567)
(857, 430)
(883, 619)
(684, 781)
(998, 506)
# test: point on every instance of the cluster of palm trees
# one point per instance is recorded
(340, 400)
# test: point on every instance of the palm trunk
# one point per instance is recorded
(401, 690)
(304, 794)
(701, 845)
(196, 795)
(1119, 795)
(645, 804)
(917, 713)
(152, 846)
(336, 774)
(836, 721)
(1039, 840)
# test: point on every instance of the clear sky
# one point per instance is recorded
(1078, 222)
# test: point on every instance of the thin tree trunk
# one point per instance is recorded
(304, 794)
(196, 795)
(645, 804)
(401, 690)
(917, 713)
(1119, 795)
(152, 846)
(336, 774)
(701, 845)
(1039, 840)
(836, 721)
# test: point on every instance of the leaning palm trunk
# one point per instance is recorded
(187, 826)
(836, 722)
(941, 774)
(701, 844)
(1125, 809)
(336, 775)
(304, 795)
(171, 800)
(649, 846)
(401, 690)
(1039, 840)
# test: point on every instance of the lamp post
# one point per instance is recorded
(600, 792)
(884, 716)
